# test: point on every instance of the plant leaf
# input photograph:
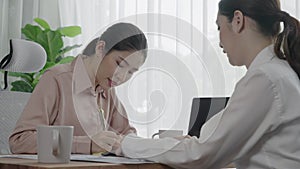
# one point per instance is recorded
(31, 32)
(46, 67)
(55, 43)
(52, 43)
(38, 75)
(26, 76)
(36, 80)
(67, 59)
(22, 86)
(42, 23)
(67, 49)
(70, 31)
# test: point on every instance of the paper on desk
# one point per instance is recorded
(24, 156)
(92, 158)
(108, 159)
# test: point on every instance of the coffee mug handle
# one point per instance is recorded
(55, 142)
(155, 134)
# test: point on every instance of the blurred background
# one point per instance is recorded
(184, 58)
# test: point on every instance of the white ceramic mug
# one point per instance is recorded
(54, 143)
(168, 133)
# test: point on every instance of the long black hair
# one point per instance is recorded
(121, 37)
(268, 15)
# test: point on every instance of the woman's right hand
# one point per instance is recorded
(105, 141)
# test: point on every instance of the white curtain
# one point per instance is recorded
(15, 14)
(10, 25)
(184, 60)
(11, 19)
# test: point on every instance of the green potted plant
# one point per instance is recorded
(52, 42)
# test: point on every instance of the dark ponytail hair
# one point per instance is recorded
(121, 37)
(289, 40)
(268, 15)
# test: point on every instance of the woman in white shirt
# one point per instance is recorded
(260, 126)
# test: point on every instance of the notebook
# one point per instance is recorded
(202, 110)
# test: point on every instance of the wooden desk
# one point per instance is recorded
(15, 163)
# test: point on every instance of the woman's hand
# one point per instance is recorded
(105, 141)
(116, 149)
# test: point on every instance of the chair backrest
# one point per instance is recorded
(12, 105)
(26, 57)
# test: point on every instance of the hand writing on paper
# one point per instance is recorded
(105, 141)
(116, 149)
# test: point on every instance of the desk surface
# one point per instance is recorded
(15, 163)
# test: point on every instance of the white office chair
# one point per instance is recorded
(26, 57)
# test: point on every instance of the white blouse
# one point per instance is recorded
(259, 128)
